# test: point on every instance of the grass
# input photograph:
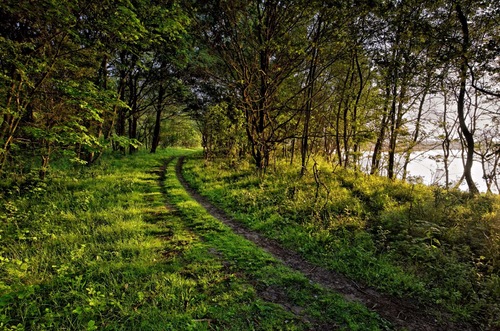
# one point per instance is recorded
(96, 249)
(436, 246)
(265, 273)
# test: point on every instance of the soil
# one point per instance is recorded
(403, 313)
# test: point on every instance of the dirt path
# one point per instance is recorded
(403, 314)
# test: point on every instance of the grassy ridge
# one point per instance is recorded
(96, 249)
(409, 240)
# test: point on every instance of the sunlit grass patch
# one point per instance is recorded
(406, 239)
(264, 271)
(99, 250)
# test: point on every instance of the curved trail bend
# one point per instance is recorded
(402, 313)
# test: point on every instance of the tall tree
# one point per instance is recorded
(261, 45)
(47, 63)
(73, 76)
(463, 75)
(317, 28)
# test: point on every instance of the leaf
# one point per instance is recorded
(91, 325)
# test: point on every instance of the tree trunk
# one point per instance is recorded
(393, 126)
(159, 109)
(311, 78)
(377, 150)
(446, 140)
(132, 132)
(120, 112)
(416, 133)
(133, 117)
(355, 110)
(337, 122)
(468, 135)
(261, 145)
(346, 119)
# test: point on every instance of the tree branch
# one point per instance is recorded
(480, 89)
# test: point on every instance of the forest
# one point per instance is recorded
(298, 120)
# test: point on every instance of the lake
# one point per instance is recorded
(427, 167)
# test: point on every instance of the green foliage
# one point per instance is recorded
(124, 141)
(222, 131)
(60, 86)
(180, 132)
(409, 240)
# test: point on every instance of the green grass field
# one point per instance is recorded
(97, 249)
(408, 240)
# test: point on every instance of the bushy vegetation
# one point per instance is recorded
(438, 246)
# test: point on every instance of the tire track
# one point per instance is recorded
(270, 294)
(402, 313)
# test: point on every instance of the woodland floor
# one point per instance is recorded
(401, 313)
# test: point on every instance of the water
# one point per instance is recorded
(428, 167)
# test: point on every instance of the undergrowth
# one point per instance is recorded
(440, 247)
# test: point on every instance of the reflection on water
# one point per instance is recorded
(428, 167)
